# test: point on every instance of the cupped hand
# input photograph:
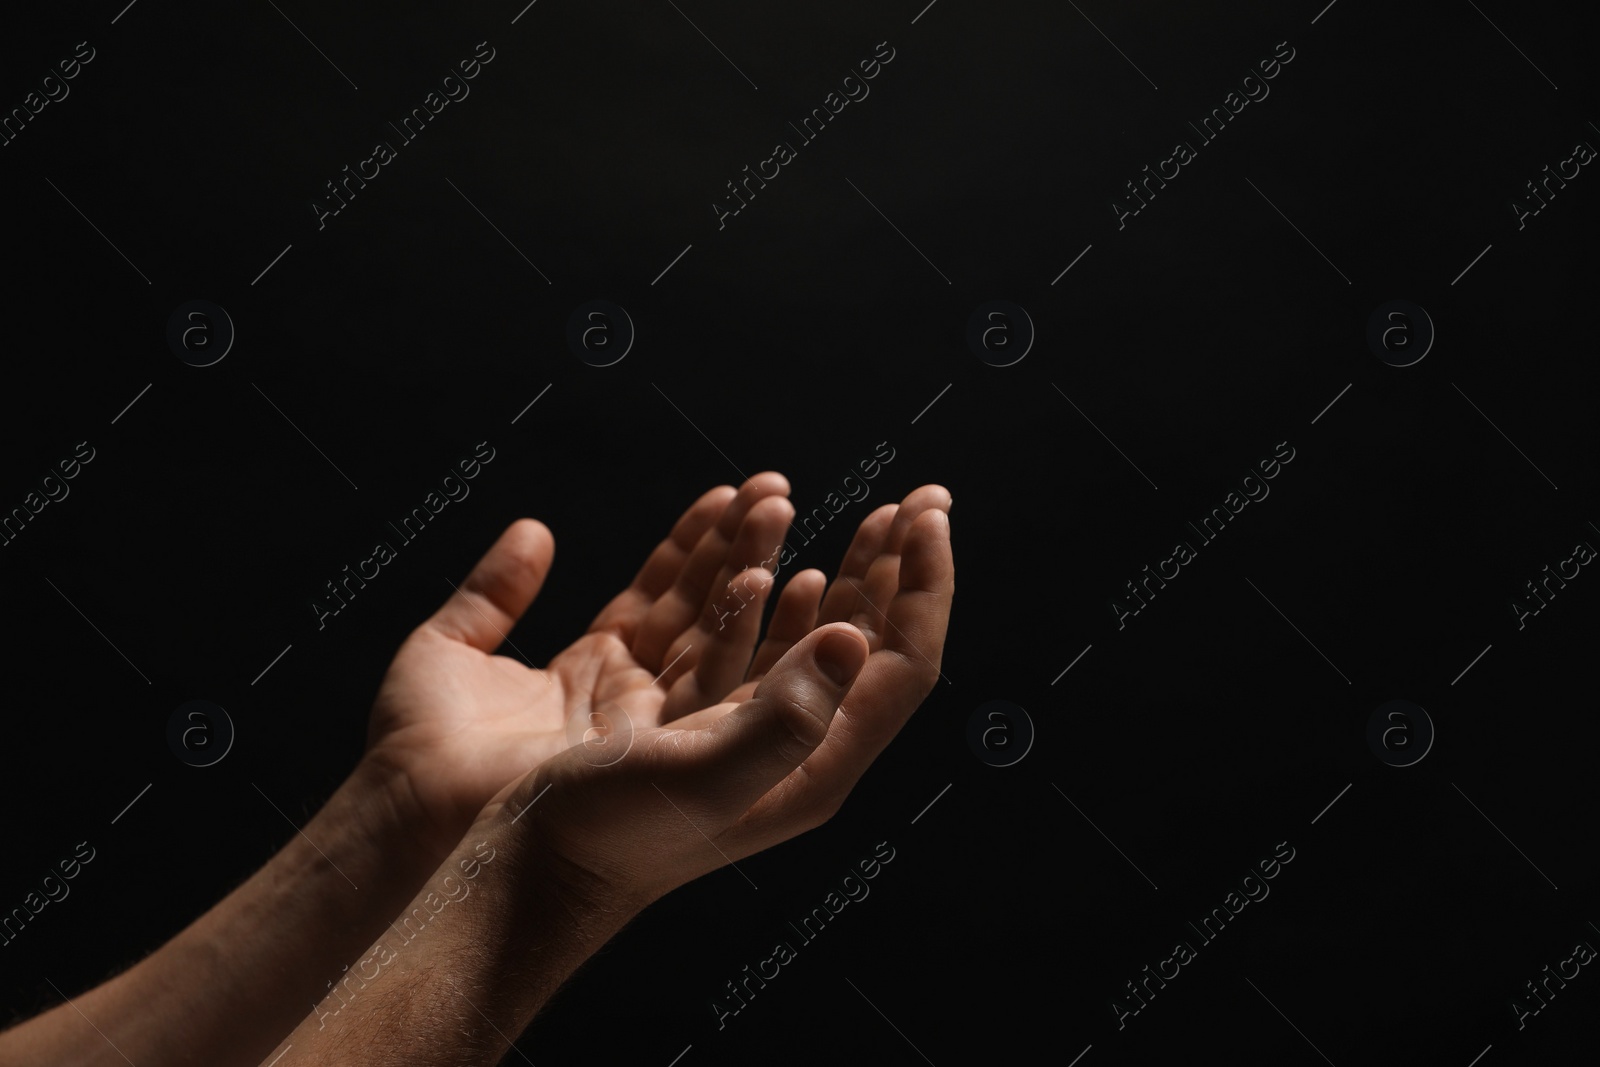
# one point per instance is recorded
(454, 722)
(830, 688)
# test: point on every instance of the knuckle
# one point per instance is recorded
(800, 727)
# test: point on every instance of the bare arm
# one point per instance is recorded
(468, 963)
(225, 989)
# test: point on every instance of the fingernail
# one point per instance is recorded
(838, 656)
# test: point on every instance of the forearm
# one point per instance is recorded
(466, 965)
(226, 989)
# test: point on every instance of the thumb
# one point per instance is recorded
(756, 745)
(493, 596)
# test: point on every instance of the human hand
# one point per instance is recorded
(727, 781)
(453, 722)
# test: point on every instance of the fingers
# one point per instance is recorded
(494, 595)
(723, 647)
(864, 548)
(729, 623)
(746, 752)
(892, 684)
(628, 608)
(793, 618)
(746, 534)
(860, 595)
(917, 619)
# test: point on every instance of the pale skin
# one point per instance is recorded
(741, 742)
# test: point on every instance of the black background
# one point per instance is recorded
(1213, 726)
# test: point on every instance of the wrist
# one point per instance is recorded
(541, 914)
(495, 929)
(537, 869)
(395, 816)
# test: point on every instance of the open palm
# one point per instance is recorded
(457, 722)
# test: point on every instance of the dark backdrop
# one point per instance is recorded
(1176, 353)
